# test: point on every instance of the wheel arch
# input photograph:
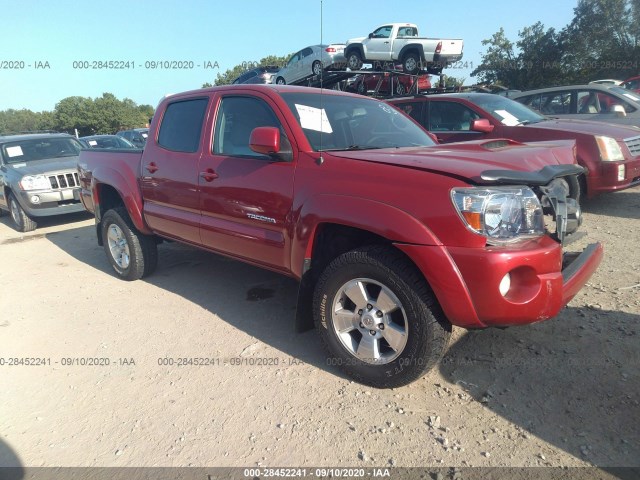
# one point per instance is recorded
(416, 48)
(358, 47)
(110, 189)
(343, 227)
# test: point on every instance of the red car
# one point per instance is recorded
(609, 153)
(632, 83)
(389, 83)
(392, 237)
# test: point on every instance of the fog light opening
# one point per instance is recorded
(505, 285)
(35, 199)
(621, 172)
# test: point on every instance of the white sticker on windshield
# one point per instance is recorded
(14, 151)
(92, 143)
(144, 135)
(507, 119)
(313, 118)
(18, 165)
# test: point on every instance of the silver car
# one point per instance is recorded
(311, 61)
(603, 103)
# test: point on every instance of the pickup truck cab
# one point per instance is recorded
(399, 42)
(393, 238)
(38, 177)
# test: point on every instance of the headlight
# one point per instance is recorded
(609, 149)
(35, 182)
(502, 214)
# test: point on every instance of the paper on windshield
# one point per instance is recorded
(92, 143)
(14, 151)
(507, 119)
(313, 118)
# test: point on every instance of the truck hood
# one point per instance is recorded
(588, 127)
(48, 165)
(356, 40)
(469, 160)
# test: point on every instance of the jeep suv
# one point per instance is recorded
(38, 177)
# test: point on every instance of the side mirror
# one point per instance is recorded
(481, 125)
(371, 35)
(265, 140)
(619, 110)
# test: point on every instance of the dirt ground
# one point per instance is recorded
(560, 393)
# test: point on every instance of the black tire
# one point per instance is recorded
(362, 87)
(141, 250)
(400, 88)
(354, 60)
(426, 331)
(411, 63)
(316, 68)
(22, 221)
(280, 81)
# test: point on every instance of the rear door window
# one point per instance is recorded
(182, 125)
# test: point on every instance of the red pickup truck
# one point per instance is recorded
(393, 237)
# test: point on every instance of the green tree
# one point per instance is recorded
(498, 62)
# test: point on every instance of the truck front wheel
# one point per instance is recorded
(378, 318)
(354, 60)
(132, 254)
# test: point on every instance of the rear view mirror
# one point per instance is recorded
(619, 110)
(481, 125)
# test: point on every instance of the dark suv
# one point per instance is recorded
(258, 75)
(137, 136)
(38, 177)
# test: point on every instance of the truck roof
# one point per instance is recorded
(265, 88)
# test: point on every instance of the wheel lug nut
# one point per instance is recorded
(369, 306)
(379, 313)
(361, 325)
(372, 332)
(360, 312)
(381, 326)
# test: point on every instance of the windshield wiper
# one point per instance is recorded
(523, 122)
(350, 147)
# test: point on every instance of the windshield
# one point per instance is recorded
(332, 122)
(39, 149)
(623, 91)
(507, 111)
(108, 142)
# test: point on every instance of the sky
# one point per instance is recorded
(45, 45)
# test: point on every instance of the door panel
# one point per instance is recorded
(245, 208)
(169, 176)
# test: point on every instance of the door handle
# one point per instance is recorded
(152, 168)
(209, 175)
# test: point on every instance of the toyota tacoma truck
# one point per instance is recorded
(399, 42)
(38, 177)
(393, 238)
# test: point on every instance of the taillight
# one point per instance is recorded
(330, 50)
(439, 47)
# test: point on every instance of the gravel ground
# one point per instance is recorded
(560, 393)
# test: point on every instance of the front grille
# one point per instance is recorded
(633, 144)
(64, 180)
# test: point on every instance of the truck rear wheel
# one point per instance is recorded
(22, 221)
(411, 63)
(378, 318)
(132, 254)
